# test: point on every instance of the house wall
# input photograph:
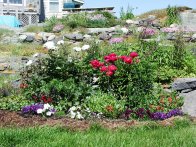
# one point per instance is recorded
(58, 14)
(50, 14)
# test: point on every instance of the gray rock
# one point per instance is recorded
(189, 106)
(100, 30)
(51, 37)
(30, 39)
(50, 45)
(76, 37)
(171, 36)
(2, 68)
(104, 36)
(22, 38)
(184, 83)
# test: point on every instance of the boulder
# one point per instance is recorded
(22, 38)
(29, 38)
(125, 30)
(50, 45)
(58, 28)
(104, 36)
(38, 37)
(184, 83)
(51, 37)
(170, 36)
(189, 106)
(100, 30)
(135, 22)
(76, 37)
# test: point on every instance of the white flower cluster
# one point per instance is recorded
(47, 110)
(84, 47)
(75, 112)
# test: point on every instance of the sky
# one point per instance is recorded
(140, 6)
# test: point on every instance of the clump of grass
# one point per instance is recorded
(160, 14)
(24, 49)
(5, 32)
(34, 29)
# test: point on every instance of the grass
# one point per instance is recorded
(5, 32)
(25, 49)
(35, 29)
(183, 134)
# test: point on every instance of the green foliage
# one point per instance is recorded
(58, 78)
(172, 15)
(10, 97)
(105, 103)
(13, 102)
(179, 52)
(163, 101)
(50, 23)
(128, 14)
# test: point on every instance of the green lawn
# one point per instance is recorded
(182, 135)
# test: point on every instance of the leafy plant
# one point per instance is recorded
(105, 103)
(179, 52)
(128, 14)
(50, 23)
(172, 15)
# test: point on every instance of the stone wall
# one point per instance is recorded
(188, 19)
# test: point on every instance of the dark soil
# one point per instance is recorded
(16, 119)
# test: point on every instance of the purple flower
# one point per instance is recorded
(116, 40)
(32, 108)
(163, 116)
(149, 32)
(169, 30)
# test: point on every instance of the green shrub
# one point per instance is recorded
(60, 81)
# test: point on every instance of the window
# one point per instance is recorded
(54, 5)
(13, 1)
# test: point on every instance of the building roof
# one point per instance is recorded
(79, 1)
(88, 9)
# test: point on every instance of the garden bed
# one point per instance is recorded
(16, 119)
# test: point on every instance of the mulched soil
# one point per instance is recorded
(16, 119)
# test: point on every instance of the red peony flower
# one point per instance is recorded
(103, 69)
(111, 57)
(112, 54)
(112, 68)
(109, 73)
(133, 54)
(96, 63)
(123, 57)
(128, 60)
